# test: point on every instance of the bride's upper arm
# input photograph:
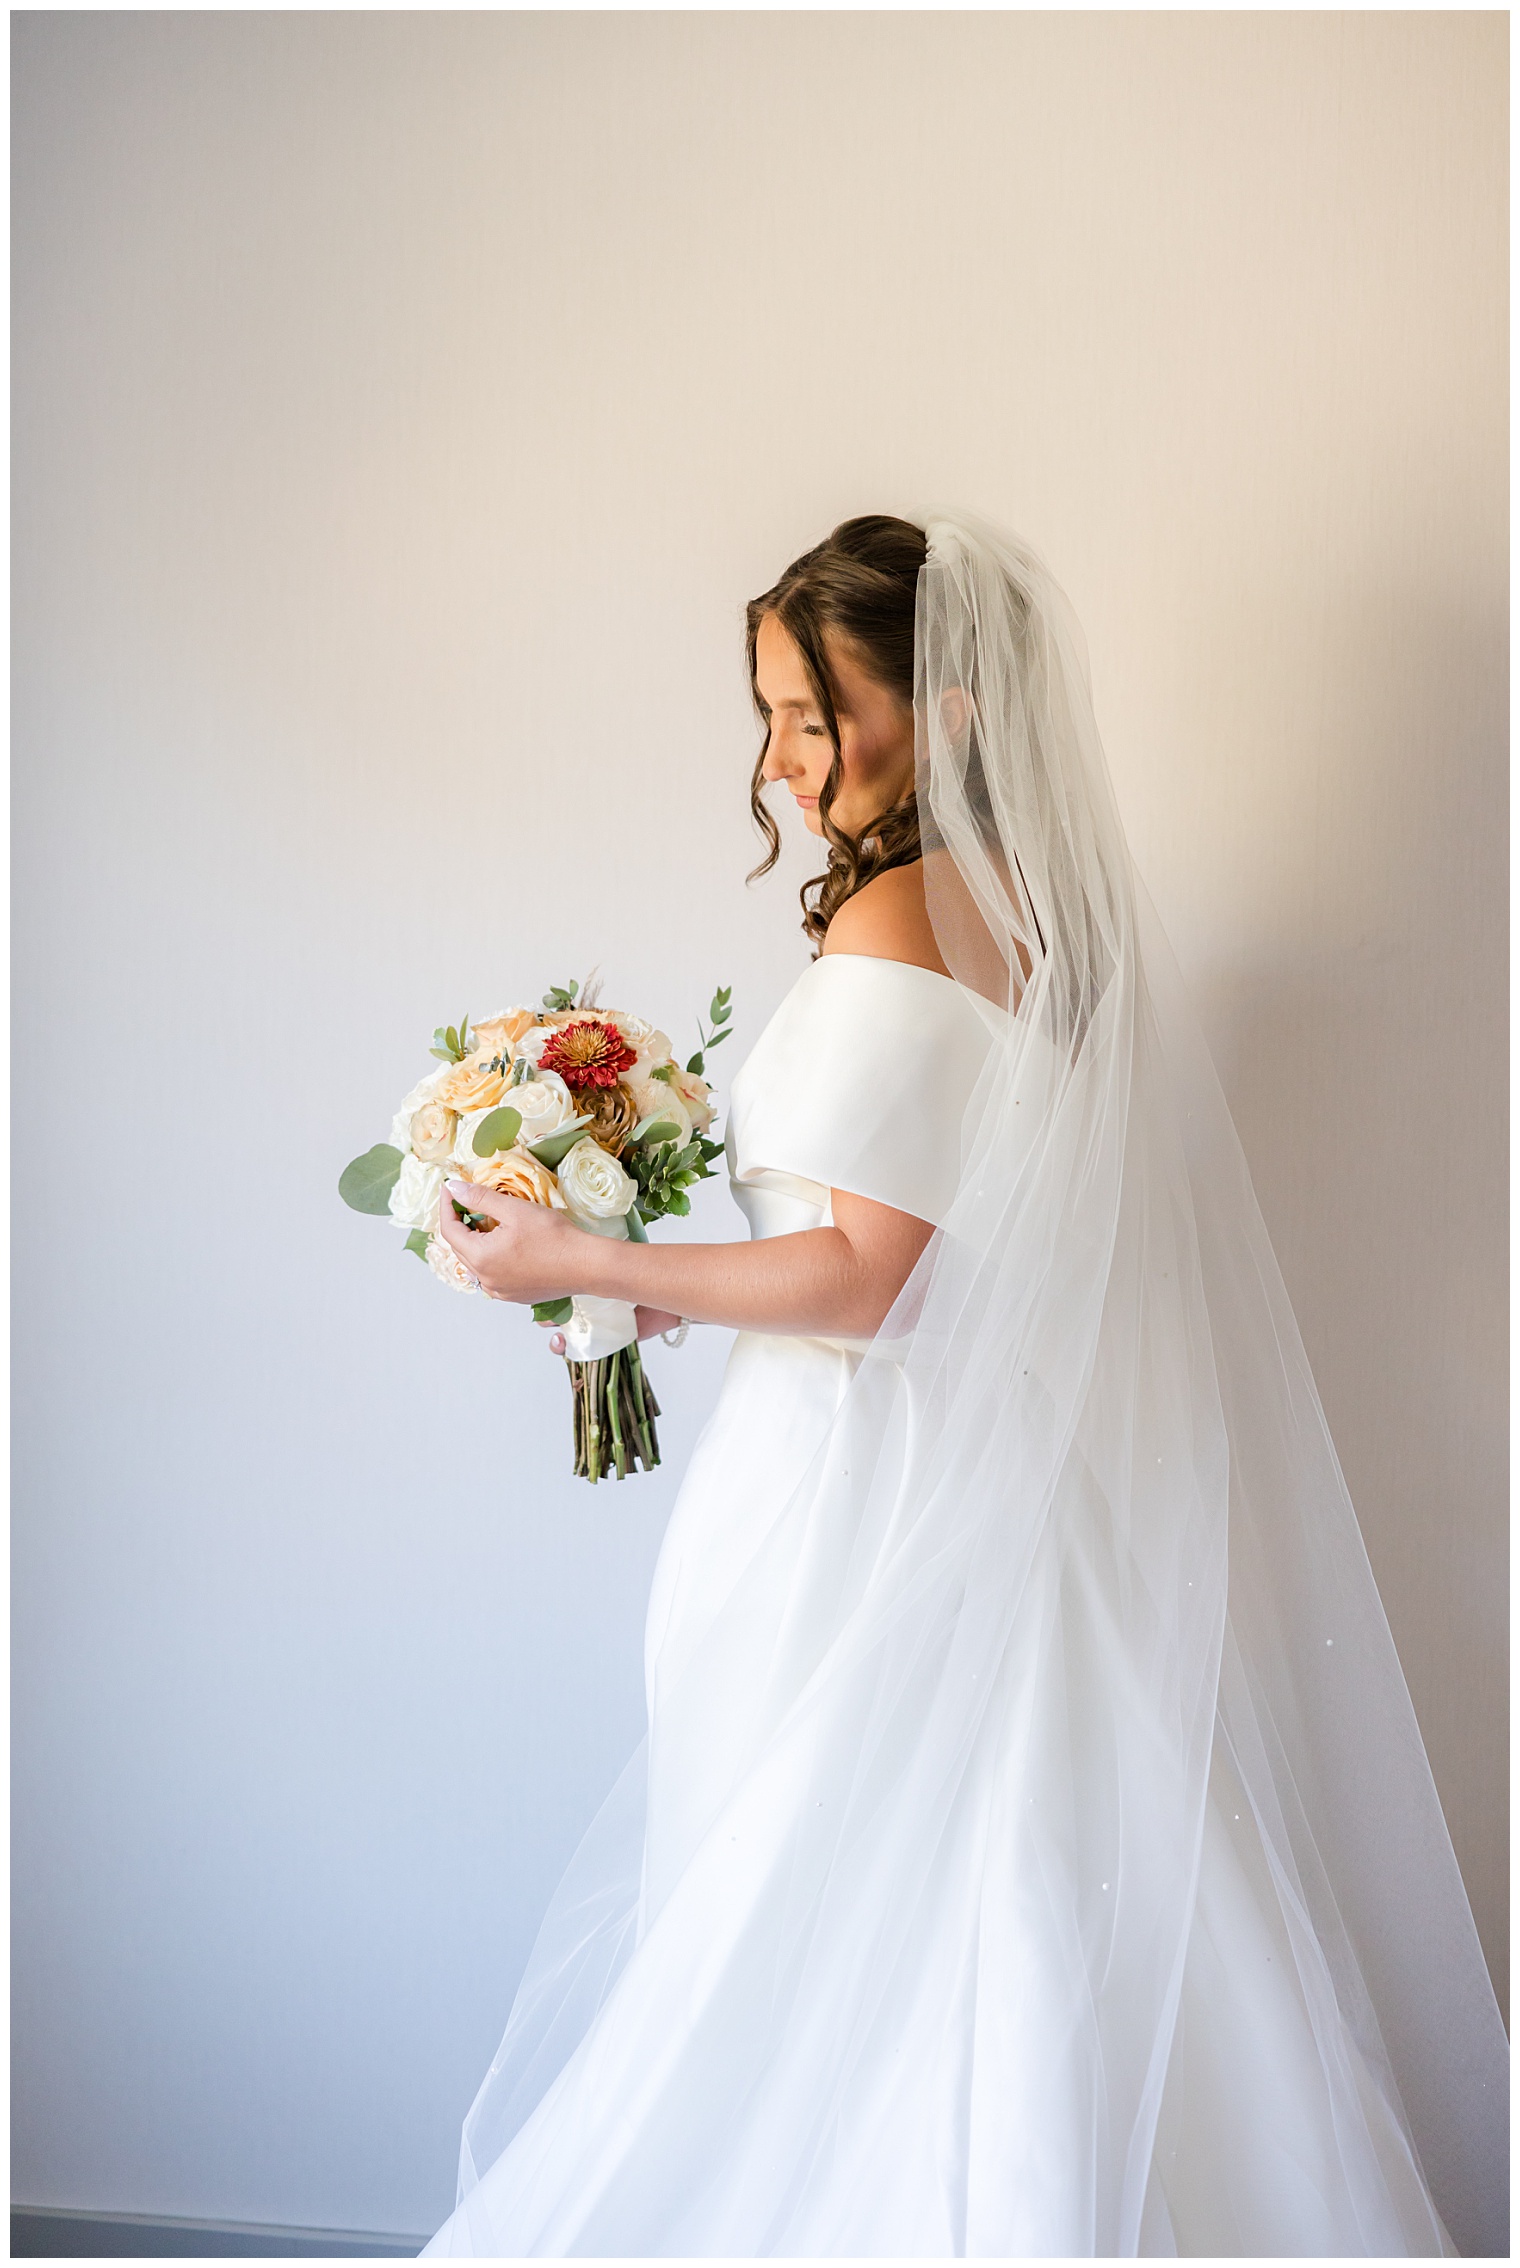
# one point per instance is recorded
(888, 920)
(887, 1243)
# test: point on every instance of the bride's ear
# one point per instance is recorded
(954, 712)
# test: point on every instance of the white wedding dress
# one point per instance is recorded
(1032, 1851)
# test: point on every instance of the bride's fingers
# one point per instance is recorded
(556, 1342)
(475, 1199)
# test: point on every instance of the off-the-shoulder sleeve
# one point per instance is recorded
(861, 1081)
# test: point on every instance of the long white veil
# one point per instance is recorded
(1095, 1570)
(1171, 1382)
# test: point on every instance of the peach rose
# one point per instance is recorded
(517, 1175)
(502, 1032)
(471, 1085)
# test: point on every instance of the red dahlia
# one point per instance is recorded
(588, 1054)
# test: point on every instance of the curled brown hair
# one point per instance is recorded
(862, 583)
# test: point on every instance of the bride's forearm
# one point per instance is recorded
(815, 1282)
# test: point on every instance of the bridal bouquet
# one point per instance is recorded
(571, 1105)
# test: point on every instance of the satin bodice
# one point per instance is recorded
(860, 1081)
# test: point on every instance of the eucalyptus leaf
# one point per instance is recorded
(418, 1242)
(694, 1063)
(725, 1031)
(366, 1183)
(559, 1144)
(497, 1132)
(637, 1233)
(553, 1310)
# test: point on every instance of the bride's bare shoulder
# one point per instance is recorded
(888, 920)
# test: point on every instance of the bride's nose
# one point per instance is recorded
(777, 764)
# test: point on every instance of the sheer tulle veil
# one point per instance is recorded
(1101, 1560)
(1181, 1424)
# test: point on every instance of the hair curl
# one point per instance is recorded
(862, 583)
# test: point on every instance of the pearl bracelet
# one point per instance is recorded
(677, 1337)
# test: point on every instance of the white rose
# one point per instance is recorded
(415, 1198)
(532, 1044)
(594, 1185)
(543, 1104)
(448, 1267)
(423, 1092)
(656, 1098)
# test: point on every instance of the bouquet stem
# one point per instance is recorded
(615, 1410)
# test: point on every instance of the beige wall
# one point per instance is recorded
(405, 407)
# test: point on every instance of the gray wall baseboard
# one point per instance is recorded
(50, 2232)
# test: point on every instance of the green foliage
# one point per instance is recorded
(483, 1221)
(418, 1242)
(451, 1042)
(665, 1071)
(559, 1144)
(552, 1310)
(498, 1132)
(366, 1183)
(655, 1129)
(559, 997)
(664, 1171)
(719, 1010)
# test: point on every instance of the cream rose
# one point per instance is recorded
(531, 1045)
(448, 1267)
(408, 1107)
(653, 1048)
(543, 1105)
(433, 1129)
(696, 1094)
(414, 1200)
(656, 1098)
(594, 1185)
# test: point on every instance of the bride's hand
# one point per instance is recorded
(525, 1257)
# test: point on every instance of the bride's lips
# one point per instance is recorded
(805, 802)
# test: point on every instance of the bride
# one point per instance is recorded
(1032, 1850)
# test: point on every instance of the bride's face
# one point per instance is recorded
(875, 732)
